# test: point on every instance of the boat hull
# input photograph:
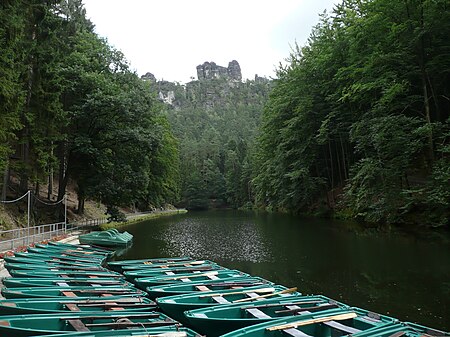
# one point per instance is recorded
(64, 292)
(34, 325)
(175, 306)
(192, 287)
(314, 325)
(235, 316)
(165, 332)
(109, 238)
(63, 306)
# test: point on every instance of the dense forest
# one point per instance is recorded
(215, 121)
(355, 124)
(358, 121)
(72, 110)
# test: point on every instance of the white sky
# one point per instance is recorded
(169, 38)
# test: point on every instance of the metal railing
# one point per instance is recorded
(14, 238)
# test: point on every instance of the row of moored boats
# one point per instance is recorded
(65, 290)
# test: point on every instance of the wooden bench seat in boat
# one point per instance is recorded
(341, 327)
(295, 333)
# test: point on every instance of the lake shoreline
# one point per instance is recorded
(133, 219)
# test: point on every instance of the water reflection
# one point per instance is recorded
(232, 241)
(406, 275)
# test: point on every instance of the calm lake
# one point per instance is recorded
(405, 275)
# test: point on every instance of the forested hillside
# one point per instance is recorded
(72, 110)
(356, 124)
(358, 120)
(215, 120)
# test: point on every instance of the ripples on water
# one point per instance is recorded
(241, 241)
(399, 274)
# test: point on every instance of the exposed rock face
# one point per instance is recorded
(167, 98)
(259, 79)
(149, 77)
(206, 92)
(210, 70)
(234, 70)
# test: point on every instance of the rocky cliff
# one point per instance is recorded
(215, 87)
(210, 70)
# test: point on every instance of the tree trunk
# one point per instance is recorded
(36, 191)
(50, 178)
(80, 209)
(5, 182)
(25, 151)
(426, 99)
(63, 171)
(24, 135)
(428, 118)
(343, 158)
(435, 100)
(338, 159)
(331, 164)
(50, 185)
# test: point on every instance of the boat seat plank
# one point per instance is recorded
(203, 288)
(220, 299)
(398, 334)
(9, 304)
(296, 307)
(253, 295)
(292, 307)
(170, 273)
(72, 307)
(295, 333)
(62, 284)
(77, 324)
(257, 313)
(341, 327)
(213, 277)
(69, 294)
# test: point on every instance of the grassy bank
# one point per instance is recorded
(140, 218)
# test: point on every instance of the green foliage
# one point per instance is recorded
(70, 102)
(216, 122)
(115, 215)
(360, 109)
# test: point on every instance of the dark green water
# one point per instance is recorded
(399, 274)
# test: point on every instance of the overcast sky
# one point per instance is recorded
(169, 38)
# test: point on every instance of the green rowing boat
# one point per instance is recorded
(144, 267)
(44, 292)
(87, 251)
(109, 238)
(404, 330)
(54, 305)
(66, 252)
(50, 259)
(152, 272)
(52, 266)
(168, 331)
(118, 265)
(32, 325)
(257, 309)
(145, 282)
(175, 306)
(17, 282)
(64, 273)
(84, 248)
(237, 281)
(330, 323)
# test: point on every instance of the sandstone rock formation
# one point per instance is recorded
(210, 70)
(149, 77)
